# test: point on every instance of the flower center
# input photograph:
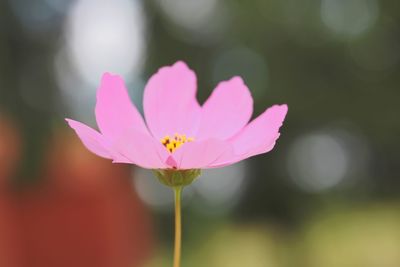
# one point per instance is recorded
(173, 143)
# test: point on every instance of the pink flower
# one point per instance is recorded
(178, 132)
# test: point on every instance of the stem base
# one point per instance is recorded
(178, 226)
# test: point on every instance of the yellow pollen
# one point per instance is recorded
(172, 144)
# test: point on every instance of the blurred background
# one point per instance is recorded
(327, 195)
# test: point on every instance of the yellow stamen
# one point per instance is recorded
(172, 144)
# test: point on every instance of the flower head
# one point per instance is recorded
(179, 133)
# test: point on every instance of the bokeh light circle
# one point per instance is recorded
(106, 36)
(349, 18)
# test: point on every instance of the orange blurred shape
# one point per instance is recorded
(10, 152)
(10, 241)
(85, 213)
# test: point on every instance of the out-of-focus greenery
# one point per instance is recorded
(361, 235)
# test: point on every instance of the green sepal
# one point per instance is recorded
(176, 178)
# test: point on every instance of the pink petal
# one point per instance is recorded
(199, 155)
(95, 142)
(257, 137)
(142, 149)
(170, 104)
(226, 111)
(114, 109)
(92, 140)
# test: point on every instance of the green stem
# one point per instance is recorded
(178, 226)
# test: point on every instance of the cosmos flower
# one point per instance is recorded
(178, 133)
